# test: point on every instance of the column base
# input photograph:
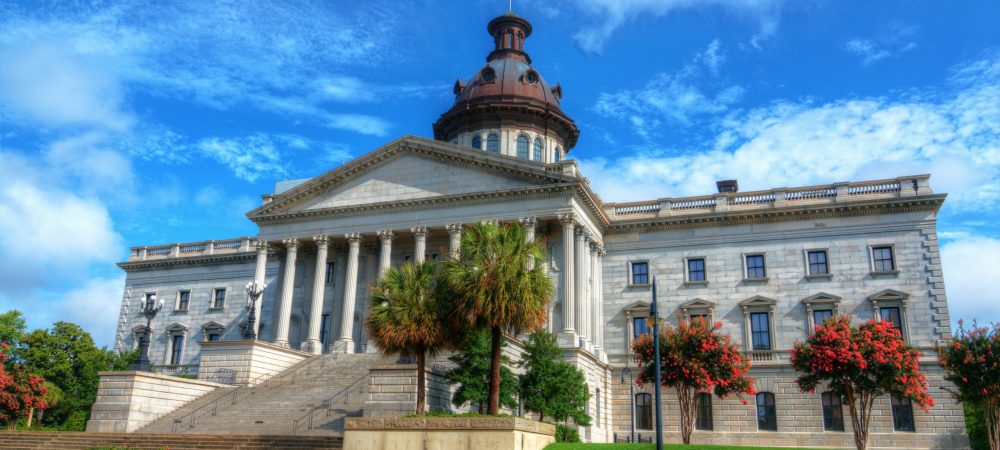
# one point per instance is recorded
(313, 346)
(568, 338)
(281, 343)
(343, 345)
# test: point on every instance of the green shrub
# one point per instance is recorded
(77, 421)
(974, 425)
(566, 434)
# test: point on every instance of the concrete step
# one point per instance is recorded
(33, 440)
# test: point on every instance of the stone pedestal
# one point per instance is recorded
(127, 401)
(392, 390)
(252, 361)
(453, 433)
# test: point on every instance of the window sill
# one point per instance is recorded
(639, 286)
(819, 276)
(696, 283)
(214, 308)
(875, 273)
(183, 311)
(756, 280)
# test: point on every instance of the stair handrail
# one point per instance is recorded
(263, 381)
(328, 404)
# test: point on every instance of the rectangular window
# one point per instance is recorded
(324, 328)
(218, 298)
(767, 418)
(818, 262)
(902, 414)
(703, 421)
(833, 412)
(183, 300)
(639, 327)
(891, 314)
(696, 317)
(644, 411)
(821, 315)
(214, 337)
(640, 273)
(177, 347)
(331, 272)
(755, 267)
(696, 269)
(882, 260)
(760, 331)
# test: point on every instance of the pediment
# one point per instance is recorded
(697, 303)
(177, 327)
(410, 170)
(889, 294)
(213, 325)
(639, 306)
(758, 300)
(821, 297)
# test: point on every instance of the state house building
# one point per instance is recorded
(769, 265)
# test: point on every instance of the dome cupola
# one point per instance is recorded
(507, 107)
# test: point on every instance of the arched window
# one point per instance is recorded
(522, 146)
(703, 403)
(644, 411)
(477, 143)
(766, 416)
(493, 143)
(558, 154)
(833, 412)
(536, 151)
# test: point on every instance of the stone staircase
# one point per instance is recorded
(58, 440)
(311, 398)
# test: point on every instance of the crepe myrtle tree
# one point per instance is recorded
(972, 362)
(21, 391)
(695, 358)
(860, 364)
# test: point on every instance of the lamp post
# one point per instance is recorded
(148, 308)
(656, 368)
(627, 375)
(254, 290)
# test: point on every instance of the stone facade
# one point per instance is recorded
(127, 401)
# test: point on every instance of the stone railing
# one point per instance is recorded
(768, 357)
(237, 245)
(770, 199)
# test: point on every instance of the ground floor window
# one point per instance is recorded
(766, 415)
(902, 414)
(176, 349)
(644, 411)
(703, 419)
(833, 412)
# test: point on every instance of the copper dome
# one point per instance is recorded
(506, 89)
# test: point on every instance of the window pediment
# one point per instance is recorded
(887, 295)
(636, 308)
(698, 304)
(758, 300)
(821, 298)
(178, 327)
(213, 325)
(139, 329)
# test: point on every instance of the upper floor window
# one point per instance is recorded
(183, 300)
(644, 411)
(902, 414)
(536, 150)
(820, 316)
(214, 336)
(760, 330)
(522, 146)
(696, 269)
(477, 142)
(818, 262)
(493, 143)
(218, 298)
(767, 418)
(703, 403)
(331, 272)
(639, 328)
(755, 267)
(557, 154)
(640, 272)
(882, 259)
(891, 314)
(833, 412)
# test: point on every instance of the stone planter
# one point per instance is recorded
(451, 433)
(127, 401)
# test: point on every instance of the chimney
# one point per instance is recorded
(727, 186)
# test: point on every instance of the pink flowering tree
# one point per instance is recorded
(694, 358)
(20, 391)
(972, 360)
(860, 364)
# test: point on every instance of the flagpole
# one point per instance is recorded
(656, 369)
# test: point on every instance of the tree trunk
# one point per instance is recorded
(494, 405)
(41, 415)
(421, 381)
(685, 398)
(991, 418)
(31, 415)
(860, 407)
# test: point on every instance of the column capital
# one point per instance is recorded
(582, 233)
(291, 244)
(527, 221)
(321, 241)
(385, 235)
(261, 246)
(568, 220)
(419, 231)
(454, 228)
(353, 238)
(601, 251)
(594, 247)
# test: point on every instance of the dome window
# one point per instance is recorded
(488, 75)
(536, 151)
(531, 77)
(477, 143)
(522, 146)
(558, 154)
(493, 143)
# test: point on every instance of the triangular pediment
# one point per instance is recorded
(821, 297)
(639, 306)
(409, 170)
(759, 300)
(889, 294)
(697, 303)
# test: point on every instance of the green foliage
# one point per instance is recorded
(451, 414)
(551, 386)
(566, 434)
(77, 421)
(473, 373)
(978, 438)
(12, 327)
(972, 362)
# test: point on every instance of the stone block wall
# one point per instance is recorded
(253, 361)
(127, 401)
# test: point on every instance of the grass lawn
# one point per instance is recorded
(568, 446)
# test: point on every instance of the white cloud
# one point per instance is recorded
(249, 157)
(360, 123)
(95, 306)
(894, 41)
(610, 15)
(972, 277)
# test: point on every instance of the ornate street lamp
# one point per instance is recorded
(656, 368)
(149, 308)
(254, 290)
(627, 375)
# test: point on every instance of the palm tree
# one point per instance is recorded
(407, 318)
(495, 285)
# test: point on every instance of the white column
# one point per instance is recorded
(578, 286)
(258, 277)
(420, 248)
(529, 234)
(385, 256)
(345, 343)
(454, 239)
(594, 302)
(600, 297)
(569, 321)
(287, 284)
(316, 307)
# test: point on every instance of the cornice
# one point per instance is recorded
(202, 260)
(714, 219)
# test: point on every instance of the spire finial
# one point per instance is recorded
(510, 5)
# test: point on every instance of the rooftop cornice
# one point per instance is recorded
(201, 260)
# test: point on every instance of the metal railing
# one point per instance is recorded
(223, 376)
(342, 397)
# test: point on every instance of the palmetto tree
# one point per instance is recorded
(494, 284)
(406, 317)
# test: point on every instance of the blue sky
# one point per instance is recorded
(130, 123)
